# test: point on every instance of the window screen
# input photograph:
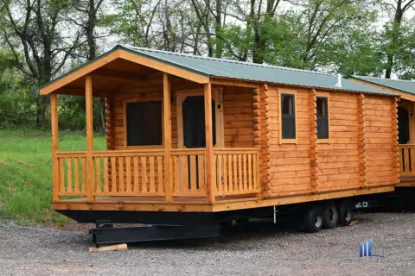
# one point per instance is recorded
(288, 116)
(144, 123)
(322, 118)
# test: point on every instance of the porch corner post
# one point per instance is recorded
(89, 137)
(167, 138)
(210, 167)
(55, 144)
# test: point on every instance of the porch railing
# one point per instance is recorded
(236, 171)
(407, 160)
(140, 173)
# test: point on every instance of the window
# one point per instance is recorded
(322, 118)
(144, 123)
(288, 116)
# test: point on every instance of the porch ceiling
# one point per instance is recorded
(114, 75)
(115, 69)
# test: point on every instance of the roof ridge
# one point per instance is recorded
(226, 60)
(378, 78)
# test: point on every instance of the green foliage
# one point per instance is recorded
(26, 173)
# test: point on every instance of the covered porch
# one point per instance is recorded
(406, 129)
(172, 136)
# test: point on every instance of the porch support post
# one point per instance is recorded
(167, 138)
(89, 137)
(55, 144)
(210, 168)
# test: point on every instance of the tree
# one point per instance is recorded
(88, 18)
(32, 27)
(395, 31)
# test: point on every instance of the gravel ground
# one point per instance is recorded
(260, 249)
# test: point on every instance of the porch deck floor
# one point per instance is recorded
(157, 199)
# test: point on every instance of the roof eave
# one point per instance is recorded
(123, 53)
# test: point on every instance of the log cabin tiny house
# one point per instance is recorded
(201, 140)
(406, 122)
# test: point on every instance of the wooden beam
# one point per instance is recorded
(89, 99)
(234, 82)
(164, 67)
(210, 167)
(361, 119)
(395, 136)
(123, 75)
(167, 138)
(55, 144)
(313, 141)
(82, 71)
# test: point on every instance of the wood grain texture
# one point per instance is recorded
(89, 136)
(55, 144)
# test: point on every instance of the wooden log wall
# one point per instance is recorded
(395, 135)
(361, 117)
(261, 136)
(360, 149)
(313, 142)
(381, 143)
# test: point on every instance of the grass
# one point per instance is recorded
(26, 174)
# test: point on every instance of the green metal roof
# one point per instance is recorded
(231, 69)
(400, 85)
(252, 72)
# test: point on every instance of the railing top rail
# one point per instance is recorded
(71, 154)
(159, 152)
(407, 145)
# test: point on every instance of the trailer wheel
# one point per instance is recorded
(330, 216)
(313, 219)
(345, 213)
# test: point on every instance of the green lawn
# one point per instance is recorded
(26, 174)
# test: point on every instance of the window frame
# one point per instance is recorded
(327, 96)
(126, 146)
(288, 140)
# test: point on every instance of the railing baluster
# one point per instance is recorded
(61, 175)
(245, 184)
(407, 165)
(152, 175)
(235, 172)
(219, 180)
(201, 170)
(176, 174)
(69, 174)
(114, 175)
(240, 183)
(128, 174)
(143, 174)
(250, 186)
(225, 173)
(76, 174)
(83, 171)
(192, 184)
(106, 175)
(135, 165)
(121, 174)
(159, 174)
(230, 178)
(97, 174)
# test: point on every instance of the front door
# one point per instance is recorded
(191, 119)
(194, 134)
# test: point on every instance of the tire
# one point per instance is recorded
(330, 216)
(345, 213)
(313, 219)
